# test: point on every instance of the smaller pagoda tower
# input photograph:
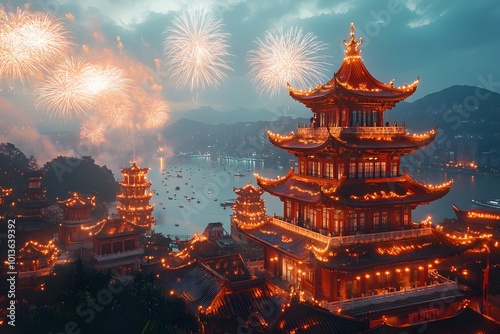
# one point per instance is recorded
(134, 196)
(35, 202)
(76, 214)
(249, 209)
(4, 192)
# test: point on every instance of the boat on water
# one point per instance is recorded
(238, 173)
(492, 203)
(228, 202)
(477, 217)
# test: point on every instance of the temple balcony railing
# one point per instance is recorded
(441, 286)
(301, 230)
(335, 131)
(384, 236)
(352, 239)
(118, 255)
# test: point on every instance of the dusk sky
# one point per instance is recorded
(444, 43)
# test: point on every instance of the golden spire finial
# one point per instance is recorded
(352, 45)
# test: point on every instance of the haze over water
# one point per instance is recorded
(208, 183)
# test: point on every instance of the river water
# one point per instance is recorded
(203, 184)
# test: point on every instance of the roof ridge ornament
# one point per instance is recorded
(352, 47)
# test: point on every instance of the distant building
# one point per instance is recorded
(116, 245)
(76, 215)
(32, 223)
(134, 196)
(223, 295)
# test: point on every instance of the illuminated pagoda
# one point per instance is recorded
(346, 232)
(35, 202)
(32, 223)
(76, 214)
(249, 209)
(135, 195)
(35, 259)
(4, 192)
(116, 245)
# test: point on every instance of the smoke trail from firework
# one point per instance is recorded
(30, 42)
(196, 49)
(287, 57)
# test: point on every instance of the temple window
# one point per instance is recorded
(394, 169)
(352, 170)
(309, 276)
(353, 222)
(406, 216)
(129, 244)
(384, 219)
(361, 218)
(106, 248)
(360, 170)
(379, 169)
(288, 209)
(117, 247)
(337, 228)
(397, 218)
(329, 174)
(376, 220)
(302, 167)
(369, 169)
(340, 171)
(351, 288)
(325, 219)
(314, 168)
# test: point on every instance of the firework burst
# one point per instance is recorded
(30, 42)
(118, 111)
(155, 112)
(288, 57)
(196, 49)
(92, 130)
(75, 87)
(63, 93)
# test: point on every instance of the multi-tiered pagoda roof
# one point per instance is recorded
(117, 227)
(353, 193)
(77, 201)
(353, 83)
(338, 139)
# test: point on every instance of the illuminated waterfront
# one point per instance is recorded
(211, 183)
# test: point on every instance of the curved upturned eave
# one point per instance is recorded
(421, 194)
(288, 187)
(298, 144)
(353, 80)
(295, 144)
(406, 143)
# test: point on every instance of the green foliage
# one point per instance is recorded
(13, 163)
(64, 175)
(83, 298)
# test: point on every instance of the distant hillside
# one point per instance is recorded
(209, 115)
(462, 113)
(455, 109)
